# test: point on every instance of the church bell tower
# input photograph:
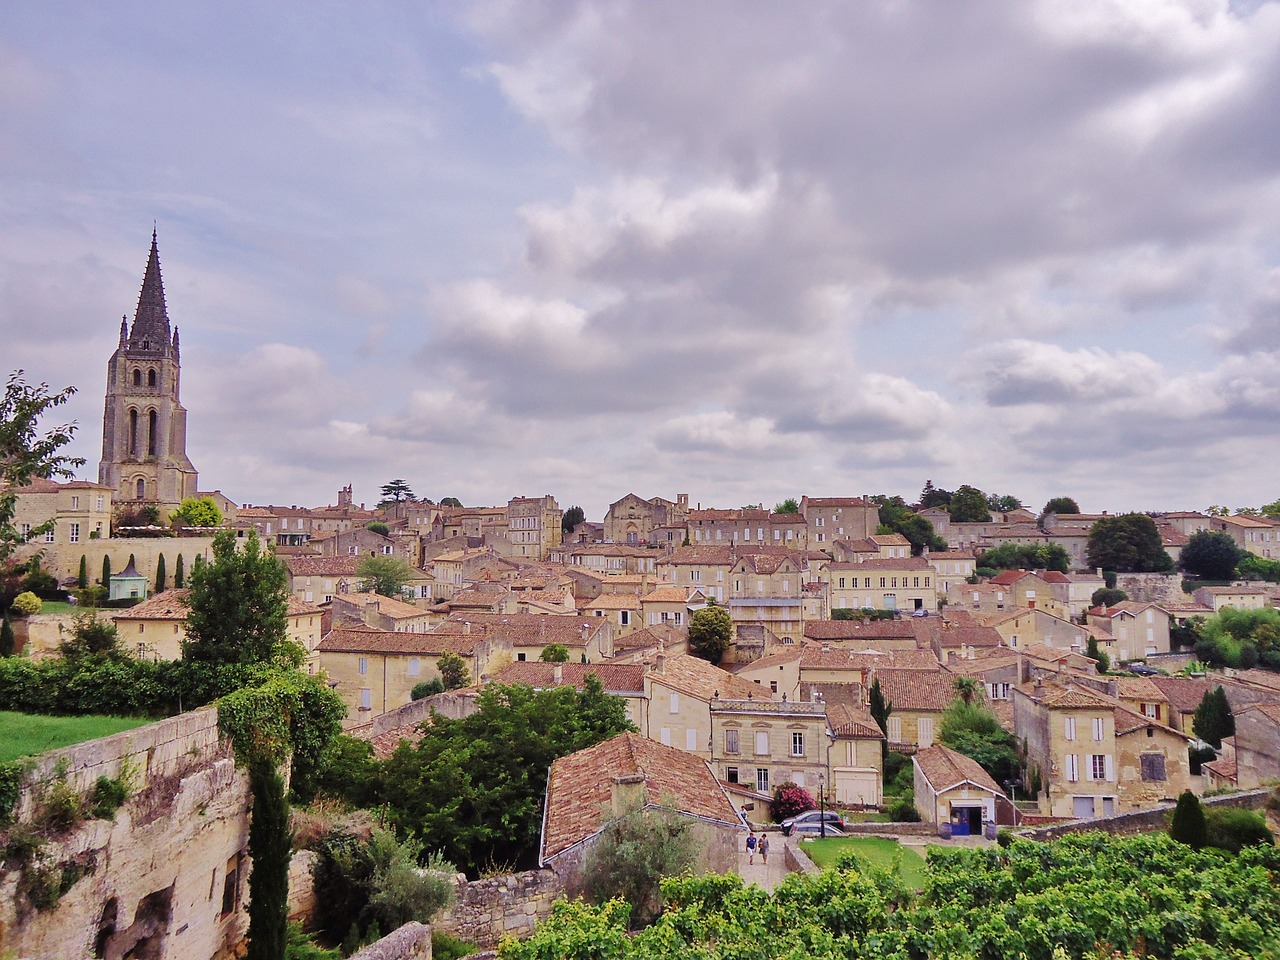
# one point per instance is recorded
(144, 426)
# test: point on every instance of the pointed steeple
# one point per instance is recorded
(124, 328)
(175, 343)
(151, 321)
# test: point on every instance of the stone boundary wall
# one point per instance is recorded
(903, 829)
(1152, 587)
(1142, 821)
(796, 860)
(166, 748)
(410, 942)
(451, 703)
(484, 911)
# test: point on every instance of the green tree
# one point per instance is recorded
(82, 579)
(106, 571)
(896, 517)
(632, 855)
(26, 454)
(396, 491)
(969, 505)
(270, 849)
(932, 496)
(365, 886)
(1189, 825)
(90, 636)
(161, 576)
(1003, 504)
(474, 787)
(451, 502)
(1211, 555)
(1107, 596)
(179, 573)
(384, 574)
(554, 653)
(789, 505)
(1241, 638)
(237, 608)
(198, 512)
(1094, 652)
(377, 526)
(968, 689)
(973, 730)
(7, 641)
(1060, 505)
(26, 604)
(453, 671)
(1129, 543)
(880, 709)
(572, 517)
(710, 630)
(1213, 718)
(1030, 556)
(1271, 510)
(426, 688)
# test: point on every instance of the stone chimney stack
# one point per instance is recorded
(627, 794)
(557, 674)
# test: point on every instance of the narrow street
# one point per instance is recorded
(766, 876)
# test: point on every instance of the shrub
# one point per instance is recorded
(108, 796)
(790, 800)
(1235, 829)
(427, 688)
(1189, 825)
(26, 604)
(903, 810)
(445, 946)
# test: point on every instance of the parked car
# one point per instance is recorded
(815, 830)
(1142, 670)
(810, 821)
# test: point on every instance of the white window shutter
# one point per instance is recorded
(1110, 768)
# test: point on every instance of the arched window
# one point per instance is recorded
(152, 439)
(137, 378)
(142, 489)
(151, 378)
(133, 433)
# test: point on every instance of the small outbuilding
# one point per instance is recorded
(955, 793)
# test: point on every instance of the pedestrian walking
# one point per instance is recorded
(763, 848)
(751, 847)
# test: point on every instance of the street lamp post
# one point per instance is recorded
(1012, 786)
(822, 806)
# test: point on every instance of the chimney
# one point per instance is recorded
(557, 674)
(1039, 687)
(826, 646)
(627, 794)
(466, 626)
(660, 662)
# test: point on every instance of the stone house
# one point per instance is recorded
(1139, 629)
(590, 789)
(765, 743)
(380, 613)
(1257, 744)
(1023, 627)
(680, 691)
(953, 789)
(672, 605)
(918, 699)
(951, 567)
(900, 583)
(375, 671)
(1259, 535)
(838, 518)
(623, 610)
(619, 680)
(1033, 589)
(855, 760)
(320, 579)
(361, 542)
(632, 520)
(1241, 597)
(79, 510)
(528, 634)
(767, 589)
(533, 526)
(1152, 764)
(702, 567)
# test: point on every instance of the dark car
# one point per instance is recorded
(811, 821)
(1142, 670)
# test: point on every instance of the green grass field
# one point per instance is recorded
(25, 734)
(879, 852)
(58, 606)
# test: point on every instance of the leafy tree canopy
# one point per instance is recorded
(1129, 543)
(932, 496)
(710, 630)
(1108, 596)
(554, 653)
(198, 512)
(972, 729)
(572, 517)
(1030, 556)
(1006, 503)
(1060, 505)
(1241, 638)
(896, 517)
(384, 574)
(26, 454)
(1213, 719)
(1211, 554)
(237, 608)
(453, 671)
(789, 505)
(969, 505)
(396, 491)
(473, 787)
(451, 502)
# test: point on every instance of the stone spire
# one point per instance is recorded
(151, 321)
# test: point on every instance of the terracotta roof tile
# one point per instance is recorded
(916, 690)
(322, 566)
(616, 677)
(694, 677)
(168, 605)
(366, 640)
(579, 788)
(945, 768)
(852, 722)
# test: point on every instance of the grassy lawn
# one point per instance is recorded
(879, 852)
(25, 734)
(58, 606)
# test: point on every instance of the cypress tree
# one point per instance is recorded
(270, 848)
(6, 637)
(106, 570)
(1213, 719)
(179, 573)
(1189, 824)
(1228, 719)
(880, 710)
(160, 574)
(83, 580)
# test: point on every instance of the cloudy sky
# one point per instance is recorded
(744, 250)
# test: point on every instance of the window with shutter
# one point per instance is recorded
(1153, 767)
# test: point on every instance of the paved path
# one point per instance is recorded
(766, 876)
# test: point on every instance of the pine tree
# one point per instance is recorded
(106, 571)
(1189, 824)
(160, 574)
(179, 573)
(270, 848)
(82, 581)
(6, 636)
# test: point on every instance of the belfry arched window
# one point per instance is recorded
(133, 433)
(152, 439)
(137, 378)
(151, 378)
(142, 489)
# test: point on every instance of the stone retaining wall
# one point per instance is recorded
(1142, 821)
(485, 911)
(891, 829)
(410, 942)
